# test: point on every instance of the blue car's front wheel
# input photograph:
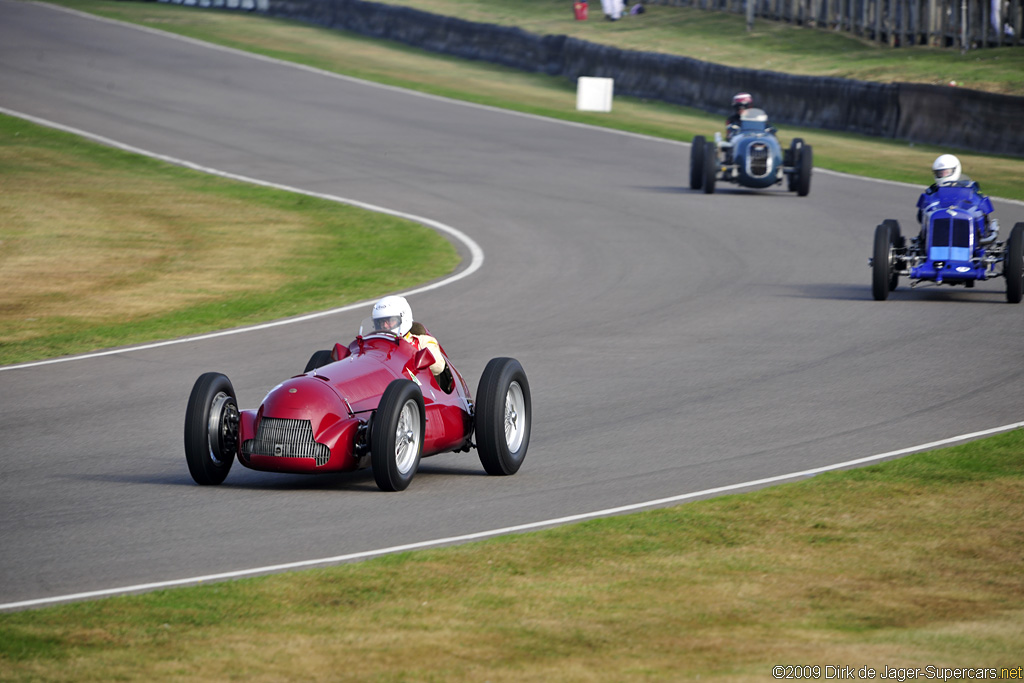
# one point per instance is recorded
(884, 277)
(1013, 264)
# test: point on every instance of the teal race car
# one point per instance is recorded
(751, 156)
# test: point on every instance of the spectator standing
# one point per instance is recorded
(612, 9)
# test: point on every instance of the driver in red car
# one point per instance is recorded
(393, 315)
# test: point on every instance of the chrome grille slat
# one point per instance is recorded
(281, 438)
(961, 232)
(758, 159)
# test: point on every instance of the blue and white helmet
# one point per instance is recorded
(946, 169)
(392, 314)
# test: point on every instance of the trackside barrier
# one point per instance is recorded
(939, 115)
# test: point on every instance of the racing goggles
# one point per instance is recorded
(387, 323)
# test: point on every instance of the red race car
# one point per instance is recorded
(373, 403)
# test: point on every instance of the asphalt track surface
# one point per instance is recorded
(675, 342)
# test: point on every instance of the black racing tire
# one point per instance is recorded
(396, 435)
(697, 162)
(504, 412)
(805, 162)
(791, 157)
(1013, 264)
(211, 429)
(319, 359)
(895, 241)
(710, 167)
(882, 262)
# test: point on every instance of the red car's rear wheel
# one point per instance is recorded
(319, 359)
(503, 416)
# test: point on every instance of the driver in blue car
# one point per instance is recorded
(393, 315)
(948, 172)
(740, 103)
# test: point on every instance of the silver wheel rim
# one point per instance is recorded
(407, 437)
(515, 414)
(219, 429)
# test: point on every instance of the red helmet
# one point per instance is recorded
(742, 100)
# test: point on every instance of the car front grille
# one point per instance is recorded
(757, 159)
(959, 236)
(279, 438)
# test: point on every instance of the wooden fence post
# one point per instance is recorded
(1017, 23)
(969, 24)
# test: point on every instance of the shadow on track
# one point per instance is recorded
(831, 291)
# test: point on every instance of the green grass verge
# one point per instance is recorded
(910, 563)
(104, 248)
(723, 38)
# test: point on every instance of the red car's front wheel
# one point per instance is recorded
(211, 429)
(396, 436)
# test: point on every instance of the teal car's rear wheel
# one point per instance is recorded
(805, 162)
(710, 167)
(791, 159)
(697, 162)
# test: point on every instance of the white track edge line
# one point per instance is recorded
(475, 105)
(353, 79)
(531, 526)
(476, 253)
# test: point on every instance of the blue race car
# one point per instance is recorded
(751, 157)
(956, 246)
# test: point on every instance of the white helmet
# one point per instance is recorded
(392, 314)
(742, 99)
(946, 169)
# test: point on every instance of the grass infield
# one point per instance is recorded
(905, 564)
(104, 248)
